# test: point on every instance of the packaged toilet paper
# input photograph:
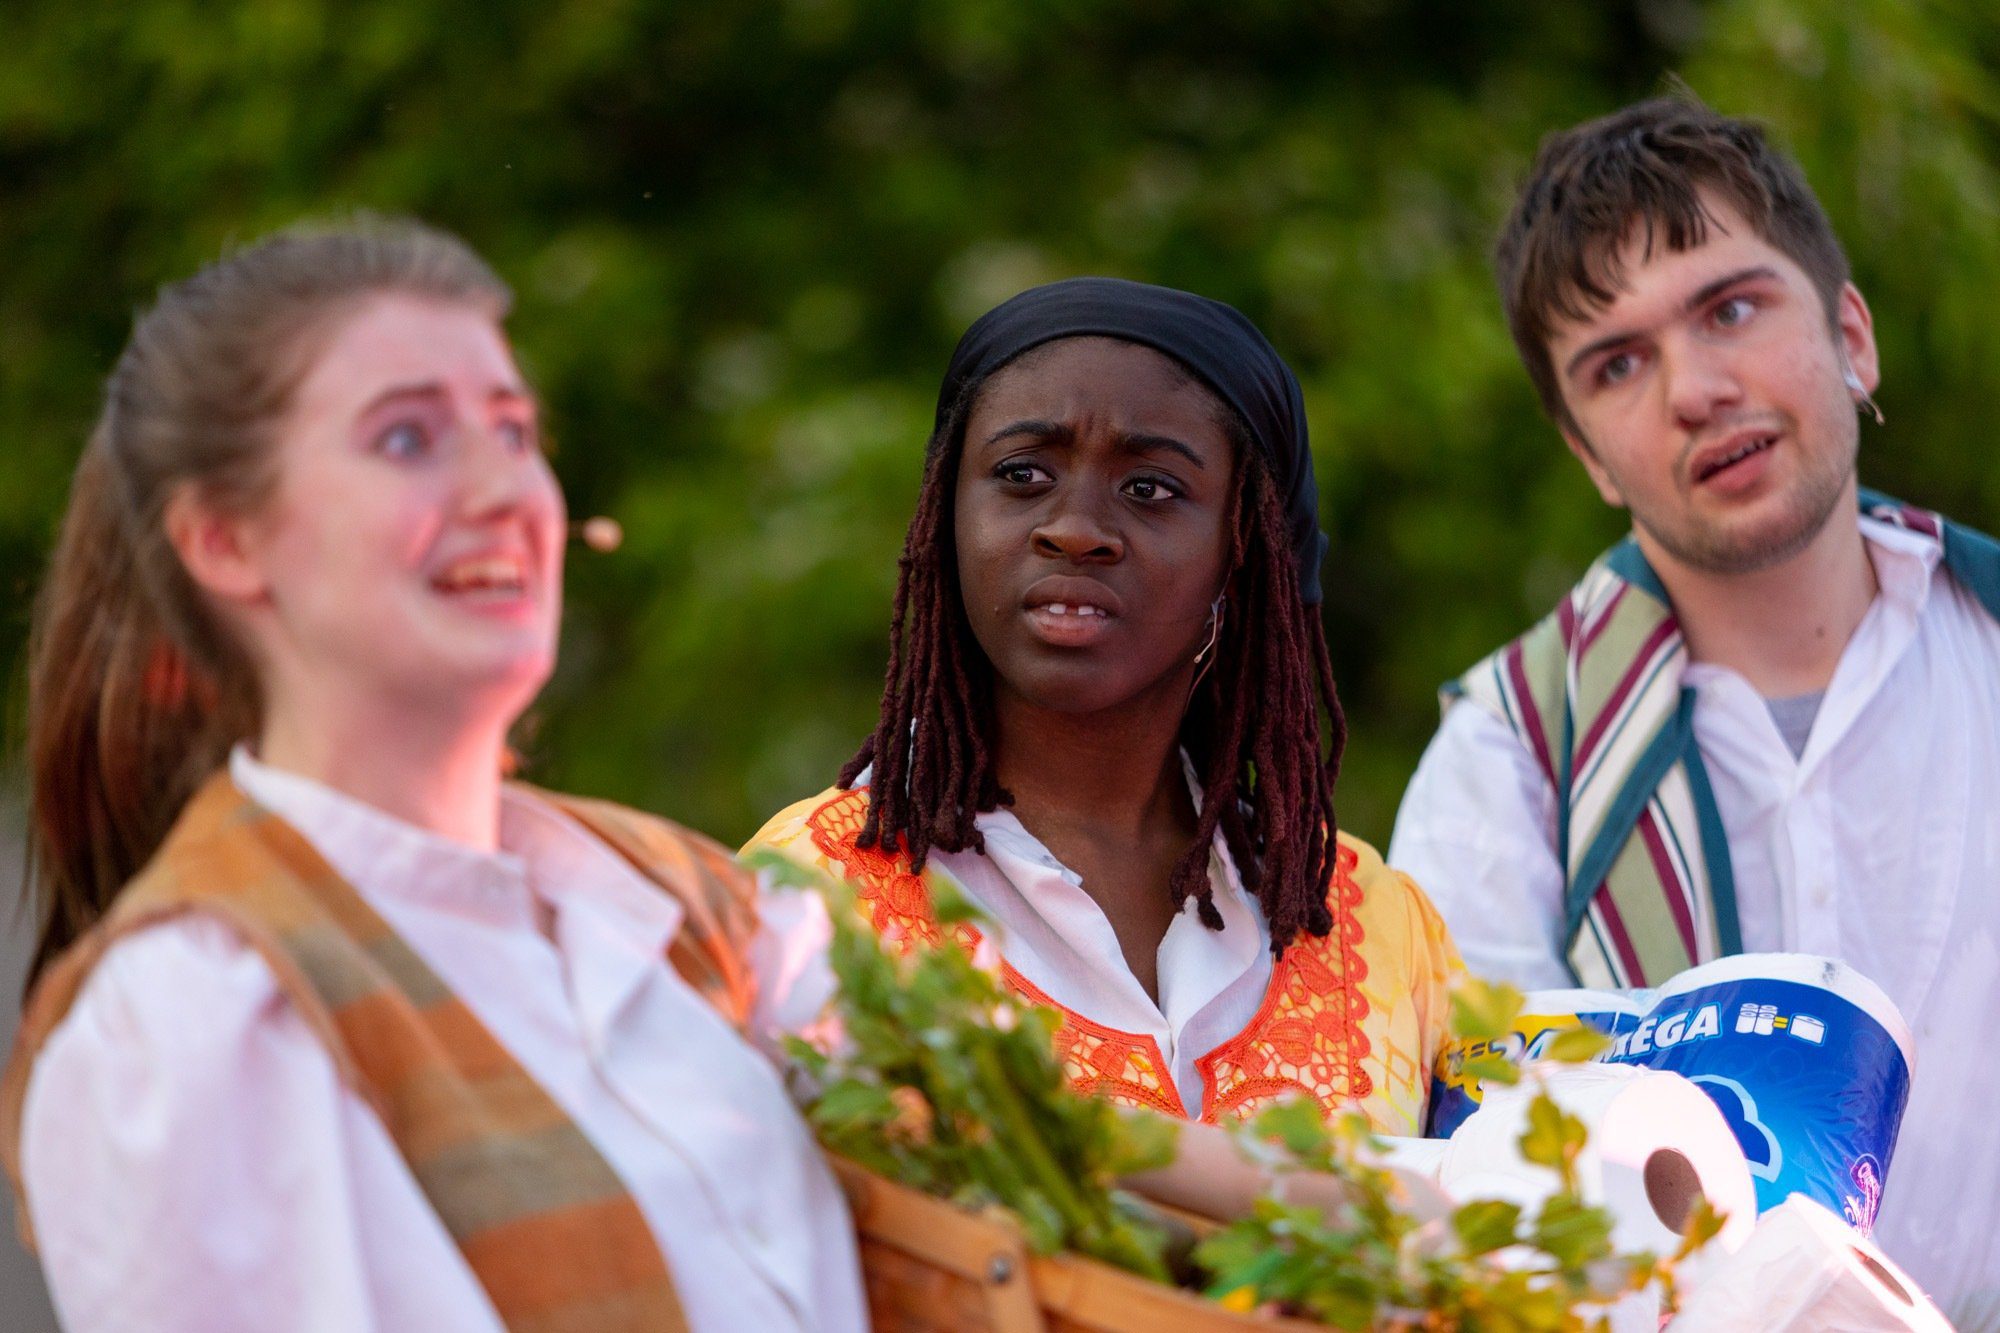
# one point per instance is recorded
(1656, 1144)
(1803, 1270)
(1546, 1014)
(1807, 1060)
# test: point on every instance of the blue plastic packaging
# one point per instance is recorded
(1809, 1061)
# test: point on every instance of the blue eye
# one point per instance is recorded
(1735, 312)
(405, 439)
(1617, 369)
(519, 435)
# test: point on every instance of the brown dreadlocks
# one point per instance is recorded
(1252, 729)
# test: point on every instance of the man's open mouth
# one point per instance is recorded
(1756, 444)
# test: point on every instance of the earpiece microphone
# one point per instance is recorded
(600, 533)
(1863, 400)
(1204, 659)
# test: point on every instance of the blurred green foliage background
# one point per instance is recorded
(746, 233)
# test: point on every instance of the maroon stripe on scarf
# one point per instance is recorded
(1531, 717)
(1621, 939)
(1665, 630)
(1663, 866)
(1922, 520)
(1604, 617)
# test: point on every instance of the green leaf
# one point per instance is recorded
(1297, 1124)
(950, 906)
(1140, 1141)
(1238, 1260)
(1493, 1069)
(1553, 1137)
(783, 871)
(851, 1102)
(1577, 1045)
(1484, 1010)
(1571, 1231)
(1704, 1224)
(1486, 1225)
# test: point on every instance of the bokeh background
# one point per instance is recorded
(746, 233)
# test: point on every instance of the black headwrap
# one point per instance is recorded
(1212, 340)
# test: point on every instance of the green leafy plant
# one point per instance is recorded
(943, 1082)
(940, 1080)
(1380, 1261)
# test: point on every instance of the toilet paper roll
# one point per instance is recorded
(1421, 1157)
(1802, 1269)
(1809, 1061)
(1656, 1145)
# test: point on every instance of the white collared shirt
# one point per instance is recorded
(192, 1161)
(1058, 938)
(1879, 845)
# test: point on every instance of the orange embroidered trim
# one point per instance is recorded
(1099, 1061)
(1306, 1036)
(897, 901)
(1103, 1062)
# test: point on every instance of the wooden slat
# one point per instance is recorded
(985, 1252)
(930, 1266)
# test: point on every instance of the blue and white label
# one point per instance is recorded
(1808, 1061)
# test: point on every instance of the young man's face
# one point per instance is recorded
(1710, 397)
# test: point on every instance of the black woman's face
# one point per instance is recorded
(1092, 523)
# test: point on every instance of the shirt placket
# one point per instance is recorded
(624, 977)
(1809, 828)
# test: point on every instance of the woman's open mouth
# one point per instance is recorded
(488, 582)
(1068, 624)
(1067, 611)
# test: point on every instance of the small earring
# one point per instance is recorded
(1863, 402)
(1214, 627)
(1206, 658)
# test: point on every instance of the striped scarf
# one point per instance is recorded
(1594, 692)
(545, 1223)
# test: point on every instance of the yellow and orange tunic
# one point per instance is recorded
(1354, 1018)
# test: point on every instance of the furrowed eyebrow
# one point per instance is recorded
(1042, 430)
(1707, 292)
(1141, 443)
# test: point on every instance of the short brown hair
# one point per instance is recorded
(1557, 257)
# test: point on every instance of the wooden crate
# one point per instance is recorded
(934, 1268)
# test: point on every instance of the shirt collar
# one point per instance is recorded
(1196, 963)
(1007, 836)
(1906, 562)
(542, 853)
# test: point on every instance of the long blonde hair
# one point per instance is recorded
(135, 691)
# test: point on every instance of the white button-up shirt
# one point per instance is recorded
(1879, 845)
(193, 1162)
(1056, 936)
(1061, 942)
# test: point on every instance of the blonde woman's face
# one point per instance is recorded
(413, 548)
